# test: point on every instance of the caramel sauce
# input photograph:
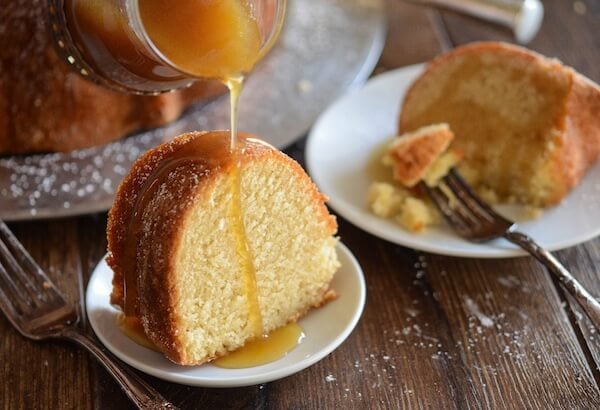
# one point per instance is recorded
(132, 328)
(243, 251)
(264, 349)
(209, 39)
(235, 85)
(244, 254)
(376, 170)
(260, 351)
(156, 45)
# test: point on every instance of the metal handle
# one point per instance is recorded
(524, 17)
(142, 394)
(587, 302)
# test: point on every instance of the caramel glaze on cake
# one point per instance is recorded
(529, 126)
(44, 106)
(154, 206)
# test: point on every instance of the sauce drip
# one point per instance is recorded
(244, 253)
(264, 349)
(132, 328)
(235, 85)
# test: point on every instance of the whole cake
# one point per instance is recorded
(529, 126)
(44, 106)
(212, 248)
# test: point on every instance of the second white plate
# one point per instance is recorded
(341, 144)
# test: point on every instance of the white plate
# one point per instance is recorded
(325, 329)
(340, 146)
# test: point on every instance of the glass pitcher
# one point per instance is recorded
(108, 41)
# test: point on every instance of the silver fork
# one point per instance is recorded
(476, 221)
(37, 309)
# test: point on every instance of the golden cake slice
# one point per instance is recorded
(212, 248)
(529, 127)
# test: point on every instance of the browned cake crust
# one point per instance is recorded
(46, 107)
(413, 154)
(577, 147)
(162, 223)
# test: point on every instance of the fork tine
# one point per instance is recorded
(469, 215)
(442, 201)
(457, 203)
(20, 286)
(471, 200)
(465, 195)
(11, 297)
(25, 270)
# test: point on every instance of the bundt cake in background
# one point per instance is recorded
(529, 126)
(46, 107)
(211, 249)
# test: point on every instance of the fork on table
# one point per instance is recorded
(476, 221)
(37, 309)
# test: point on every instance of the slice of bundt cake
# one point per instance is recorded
(211, 248)
(528, 125)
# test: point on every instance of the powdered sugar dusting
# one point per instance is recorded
(474, 310)
(63, 184)
(499, 343)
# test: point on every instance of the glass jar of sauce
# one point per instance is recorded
(152, 46)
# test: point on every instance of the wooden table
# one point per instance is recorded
(419, 343)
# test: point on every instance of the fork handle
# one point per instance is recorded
(141, 393)
(587, 302)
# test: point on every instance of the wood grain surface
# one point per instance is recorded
(437, 331)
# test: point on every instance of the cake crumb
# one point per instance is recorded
(384, 199)
(579, 7)
(304, 86)
(330, 378)
(415, 215)
(532, 212)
